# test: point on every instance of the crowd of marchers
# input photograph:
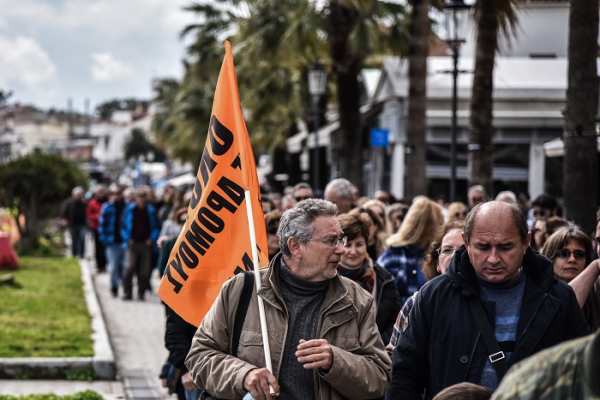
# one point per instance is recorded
(374, 298)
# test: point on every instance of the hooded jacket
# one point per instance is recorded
(361, 366)
(442, 344)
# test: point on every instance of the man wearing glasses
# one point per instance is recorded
(496, 281)
(323, 337)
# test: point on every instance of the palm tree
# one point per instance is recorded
(354, 31)
(416, 122)
(580, 167)
(274, 42)
(491, 16)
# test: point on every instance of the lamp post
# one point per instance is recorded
(317, 80)
(456, 12)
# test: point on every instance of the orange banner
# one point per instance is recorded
(215, 245)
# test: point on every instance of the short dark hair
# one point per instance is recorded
(545, 201)
(516, 213)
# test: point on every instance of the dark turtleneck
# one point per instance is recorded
(303, 301)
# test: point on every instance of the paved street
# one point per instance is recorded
(136, 331)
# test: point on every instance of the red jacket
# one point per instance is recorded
(92, 213)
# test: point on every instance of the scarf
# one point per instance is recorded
(364, 275)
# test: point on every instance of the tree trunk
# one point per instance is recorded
(580, 167)
(416, 122)
(339, 23)
(481, 129)
(351, 138)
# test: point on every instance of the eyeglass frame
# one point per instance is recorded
(440, 251)
(333, 243)
(573, 253)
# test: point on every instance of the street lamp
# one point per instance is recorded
(317, 80)
(456, 13)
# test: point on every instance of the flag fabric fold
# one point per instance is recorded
(215, 244)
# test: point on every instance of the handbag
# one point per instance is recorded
(496, 356)
(240, 316)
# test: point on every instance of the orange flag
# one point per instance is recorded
(214, 244)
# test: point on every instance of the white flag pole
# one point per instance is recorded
(261, 306)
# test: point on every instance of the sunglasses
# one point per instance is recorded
(272, 230)
(565, 254)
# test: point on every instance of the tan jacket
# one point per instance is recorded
(361, 368)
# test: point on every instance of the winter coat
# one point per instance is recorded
(442, 344)
(92, 213)
(361, 366)
(127, 225)
(107, 223)
(387, 300)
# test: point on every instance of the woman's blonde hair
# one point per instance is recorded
(387, 226)
(420, 224)
(455, 207)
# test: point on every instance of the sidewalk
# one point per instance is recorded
(136, 332)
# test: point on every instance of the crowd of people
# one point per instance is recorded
(373, 298)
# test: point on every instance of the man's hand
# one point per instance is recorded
(257, 382)
(315, 353)
(188, 382)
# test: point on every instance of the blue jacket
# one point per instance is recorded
(106, 228)
(127, 223)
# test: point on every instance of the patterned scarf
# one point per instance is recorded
(364, 275)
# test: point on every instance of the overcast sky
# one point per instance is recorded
(53, 50)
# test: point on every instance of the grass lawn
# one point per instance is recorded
(44, 313)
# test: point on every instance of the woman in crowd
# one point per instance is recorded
(544, 228)
(272, 223)
(379, 208)
(447, 240)
(377, 236)
(457, 211)
(408, 245)
(356, 265)
(570, 250)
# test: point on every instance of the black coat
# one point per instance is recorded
(442, 344)
(178, 339)
(387, 301)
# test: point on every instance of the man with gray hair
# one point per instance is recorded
(340, 191)
(323, 338)
(73, 218)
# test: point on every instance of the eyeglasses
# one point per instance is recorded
(272, 230)
(565, 254)
(332, 242)
(461, 214)
(446, 251)
(300, 198)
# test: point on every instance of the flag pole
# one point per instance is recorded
(261, 305)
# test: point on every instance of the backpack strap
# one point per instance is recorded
(240, 314)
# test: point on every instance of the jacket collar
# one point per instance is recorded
(462, 274)
(337, 294)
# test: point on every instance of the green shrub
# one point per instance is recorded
(85, 395)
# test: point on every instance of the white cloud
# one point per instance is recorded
(106, 68)
(25, 62)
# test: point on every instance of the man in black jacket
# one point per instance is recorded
(528, 309)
